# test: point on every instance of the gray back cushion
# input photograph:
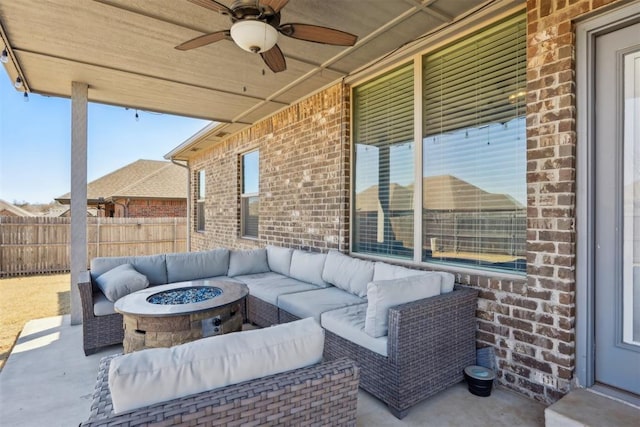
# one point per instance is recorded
(152, 266)
(279, 259)
(307, 267)
(248, 262)
(384, 271)
(185, 266)
(349, 274)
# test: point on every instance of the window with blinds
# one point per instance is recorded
(474, 150)
(200, 201)
(250, 199)
(383, 129)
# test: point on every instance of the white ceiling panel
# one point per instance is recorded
(125, 51)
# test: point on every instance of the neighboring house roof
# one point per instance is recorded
(400, 199)
(9, 209)
(442, 193)
(153, 179)
(446, 192)
(65, 211)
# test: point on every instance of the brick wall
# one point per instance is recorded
(304, 178)
(149, 208)
(533, 324)
(305, 199)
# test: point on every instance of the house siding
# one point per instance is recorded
(304, 203)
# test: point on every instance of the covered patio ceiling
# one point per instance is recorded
(124, 51)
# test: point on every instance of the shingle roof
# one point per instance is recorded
(442, 192)
(141, 179)
(13, 209)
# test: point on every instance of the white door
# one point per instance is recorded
(617, 208)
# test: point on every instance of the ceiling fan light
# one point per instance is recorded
(254, 36)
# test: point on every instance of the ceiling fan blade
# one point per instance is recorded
(213, 5)
(318, 34)
(276, 5)
(274, 59)
(204, 40)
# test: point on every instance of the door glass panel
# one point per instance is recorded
(631, 201)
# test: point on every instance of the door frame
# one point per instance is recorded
(586, 32)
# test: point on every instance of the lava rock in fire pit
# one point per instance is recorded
(185, 295)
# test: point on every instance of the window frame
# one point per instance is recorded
(244, 197)
(201, 185)
(416, 57)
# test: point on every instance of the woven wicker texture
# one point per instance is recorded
(286, 317)
(430, 343)
(98, 331)
(319, 395)
(261, 313)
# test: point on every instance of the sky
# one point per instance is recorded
(35, 142)
(491, 157)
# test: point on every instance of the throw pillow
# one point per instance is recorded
(384, 294)
(120, 281)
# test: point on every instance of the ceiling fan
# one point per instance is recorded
(256, 26)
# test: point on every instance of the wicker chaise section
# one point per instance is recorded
(430, 343)
(97, 331)
(323, 394)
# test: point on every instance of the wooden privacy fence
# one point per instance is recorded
(37, 245)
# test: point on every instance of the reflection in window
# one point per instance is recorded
(473, 162)
(474, 150)
(384, 152)
(250, 200)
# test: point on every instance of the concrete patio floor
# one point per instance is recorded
(47, 381)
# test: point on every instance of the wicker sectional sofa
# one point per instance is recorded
(281, 399)
(408, 344)
(227, 380)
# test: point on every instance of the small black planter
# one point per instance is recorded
(479, 379)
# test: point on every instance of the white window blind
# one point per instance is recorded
(201, 200)
(474, 149)
(250, 199)
(383, 127)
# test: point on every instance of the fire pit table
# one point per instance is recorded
(167, 315)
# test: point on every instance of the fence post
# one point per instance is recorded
(175, 235)
(98, 235)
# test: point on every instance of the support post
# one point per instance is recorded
(79, 100)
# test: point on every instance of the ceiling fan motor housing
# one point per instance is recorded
(250, 9)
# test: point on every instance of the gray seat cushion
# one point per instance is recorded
(269, 286)
(314, 303)
(185, 266)
(101, 305)
(348, 323)
(152, 266)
